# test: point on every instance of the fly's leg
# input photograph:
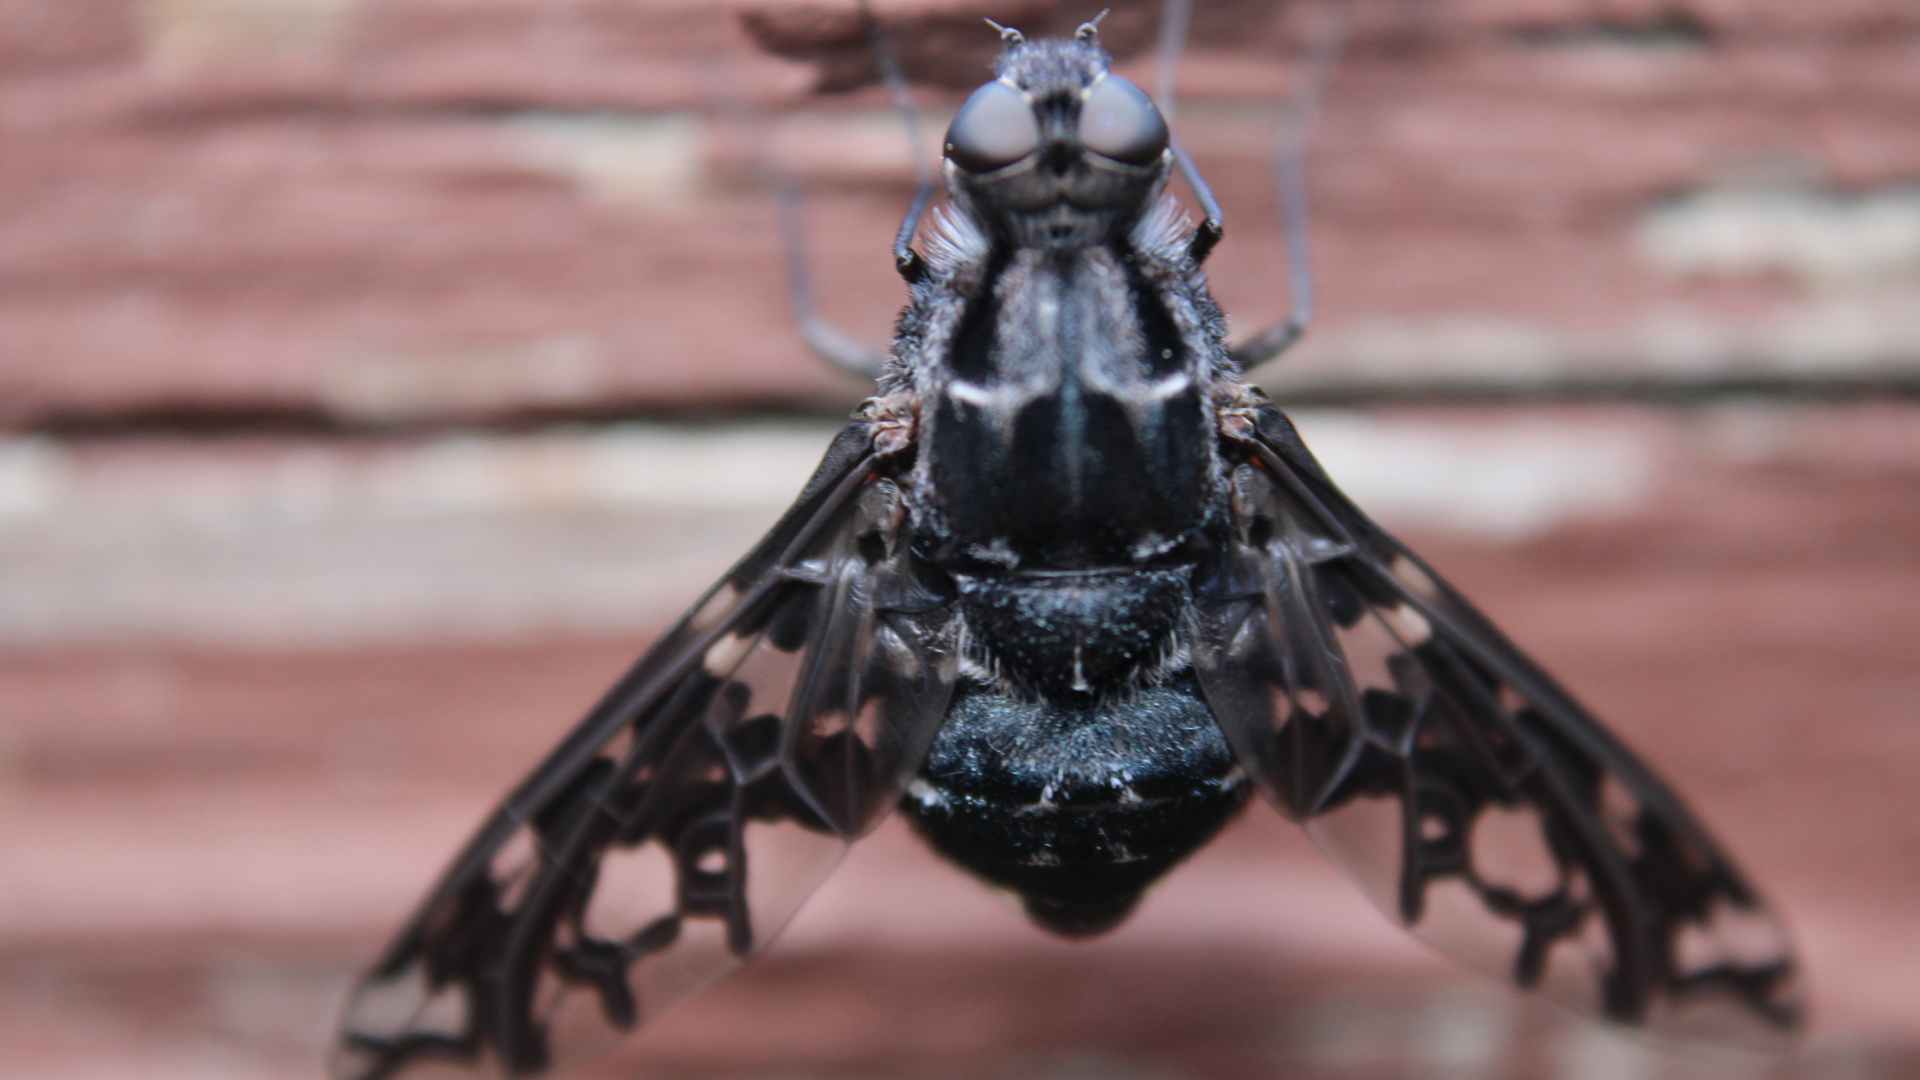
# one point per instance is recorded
(828, 341)
(905, 259)
(1290, 176)
(1214, 227)
(1175, 17)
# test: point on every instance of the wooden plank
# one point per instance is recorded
(207, 828)
(422, 210)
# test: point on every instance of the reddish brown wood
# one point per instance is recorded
(424, 210)
(205, 834)
(253, 690)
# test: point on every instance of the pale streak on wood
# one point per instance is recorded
(651, 161)
(181, 36)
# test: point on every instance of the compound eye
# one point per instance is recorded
(993, 129)
(1119, 121)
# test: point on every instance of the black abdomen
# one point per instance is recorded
(1075, 636)
(1076, 809)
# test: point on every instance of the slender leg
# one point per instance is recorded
(1290, 175)
(826, 340)
(1175, 17)
(1214, 227)
(1268, 344)
(905, 259)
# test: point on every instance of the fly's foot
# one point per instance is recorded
(894, 421)
(1238, 406)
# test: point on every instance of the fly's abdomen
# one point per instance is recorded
(1076, 808)
(1075, 636)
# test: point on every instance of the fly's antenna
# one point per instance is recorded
(1009, 37)
(1089, 31)
(1290, 176)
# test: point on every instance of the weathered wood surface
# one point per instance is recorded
(256, 691)
(253, 687)
(426, 210)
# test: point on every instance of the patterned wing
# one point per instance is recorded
(1474, 800)
(676, 830)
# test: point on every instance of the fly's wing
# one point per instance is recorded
(1471, 797)
(679, 826)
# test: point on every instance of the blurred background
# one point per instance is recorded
(377, 377)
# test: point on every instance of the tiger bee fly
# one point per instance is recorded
(1067, 590)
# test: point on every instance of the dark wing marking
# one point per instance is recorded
(682, 822)
(1476, 801)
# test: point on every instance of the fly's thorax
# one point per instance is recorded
(1071, 424)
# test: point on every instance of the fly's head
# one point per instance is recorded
(1057, 151)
